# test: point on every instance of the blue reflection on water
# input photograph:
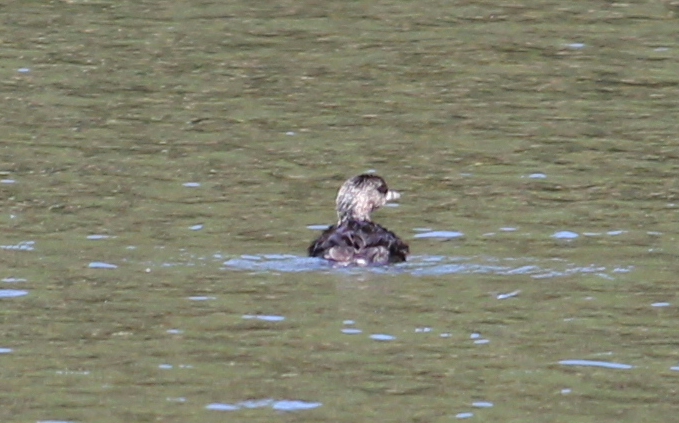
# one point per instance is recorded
(595, 363)
(537, 176)
(7, 293)
(482, 404)
(222, 407)
(97, 236)
(280, 405)
(382, 337)
(439, 234)
(425, 265)
(287, 405)
(101, 265)
(12, 280)
(265, 317)
(171, 366)
(350, 331)
(21, 246)
(508, 295)
(575, 45)
(320, 227)
(565, 235)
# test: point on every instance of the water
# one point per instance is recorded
(166, 165)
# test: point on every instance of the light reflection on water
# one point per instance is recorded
(170, 366)
(428, 265)
(97, 237)
(8, 293)
(101, 265)
(417, 265)
(591, 117)
(21, 246)
(482, 404)
(596, 363)
(439, 234)
(382, 337)
(12, 280)
(265, 317)
(279, 405)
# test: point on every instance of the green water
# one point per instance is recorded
(108, 108)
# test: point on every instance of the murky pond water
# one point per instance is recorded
(165, 165)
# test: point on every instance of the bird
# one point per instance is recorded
(355, 238)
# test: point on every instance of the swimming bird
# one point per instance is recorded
(355, 238)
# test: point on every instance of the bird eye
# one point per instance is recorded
(382, 188)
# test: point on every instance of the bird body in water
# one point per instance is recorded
(355, 238)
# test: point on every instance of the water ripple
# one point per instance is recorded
(382, 337)
(21, 246)
(439, 234)
(98, 236)
(595, 363)
(265, 317)
(8, 293)
(101, 265)
(280, 405)
(482, 404)
(12, 280)
(427, 265)
(565, 235)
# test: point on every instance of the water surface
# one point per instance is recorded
(162, 163)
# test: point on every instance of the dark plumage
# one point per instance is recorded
(355, 239)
